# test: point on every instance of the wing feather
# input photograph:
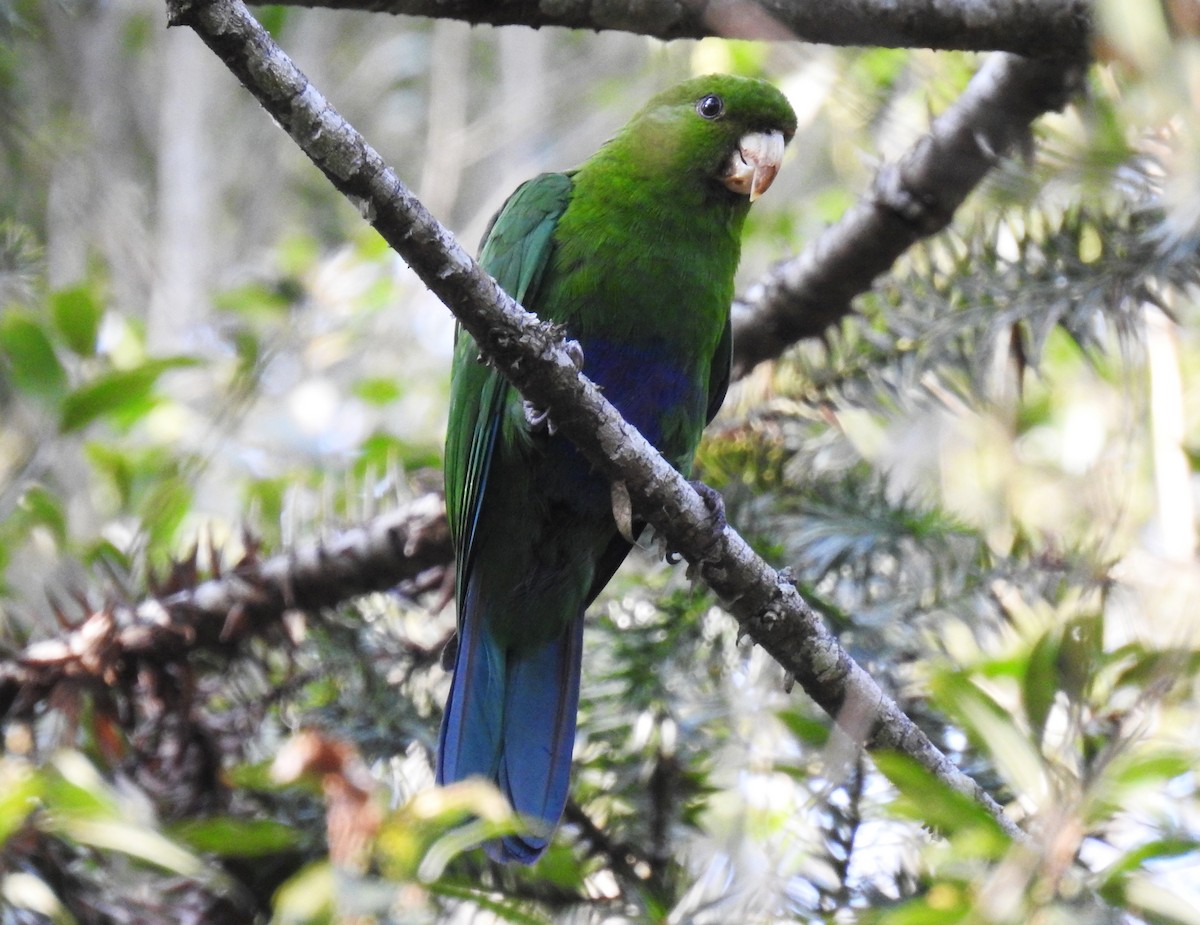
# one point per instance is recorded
(720, 371)
(516, 250)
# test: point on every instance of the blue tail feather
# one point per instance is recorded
(540, 707)
(510, 718)
(469, 743)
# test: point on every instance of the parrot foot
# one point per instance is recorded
(717, 523)
(538, 419)
(574, 350)
(716, 506)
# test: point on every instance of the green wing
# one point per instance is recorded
(516, 251)
(720, 371)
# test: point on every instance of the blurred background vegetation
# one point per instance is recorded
(985, 479)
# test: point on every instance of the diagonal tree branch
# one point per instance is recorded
(1030, 27)
(908, 201)
(530, 353)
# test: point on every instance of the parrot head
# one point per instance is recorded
(724, 132)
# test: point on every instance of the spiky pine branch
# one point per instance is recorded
(927, 338)
(248, 599)
(1004, 285)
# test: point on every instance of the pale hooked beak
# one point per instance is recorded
(754, 163)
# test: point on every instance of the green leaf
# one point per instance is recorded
(808, 729)
(264, 505)
(77, 791)
(82, 806)
(32, 363)
(559, 866)
(1134, 771)
(164, 509)
(378, 390)
(1040, 683)
(273, 18)
(508, 911)
(256, 300)
(106, 553)
(307, 898)
(77, 314)
(296, 253)
(126, 393)
(943, 904)
(249, 350)
(229, 836)
(993, 728)
(879, 68)
(1155, 768)
(129, 838)
(139, 32)
(1155, 666)
(430, 830)
(926, 799)
(1151, 901)
(370, 245)
(1080, 651)
(383, 452)
(20, 790)
(1154, 850)
(39, 507)
(258, 776)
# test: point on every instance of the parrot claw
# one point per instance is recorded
(717, 523)
(574, 350)
(716, 506)
(538, 419)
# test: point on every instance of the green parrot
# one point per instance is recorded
(634, 253)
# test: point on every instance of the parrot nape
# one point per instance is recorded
(634, 253)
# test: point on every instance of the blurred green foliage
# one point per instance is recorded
(983, 479)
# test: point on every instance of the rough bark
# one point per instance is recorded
(1031, 27)
(531, 354)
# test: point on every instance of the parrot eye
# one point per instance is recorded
(710, 107)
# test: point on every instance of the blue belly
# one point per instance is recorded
(661, 397)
